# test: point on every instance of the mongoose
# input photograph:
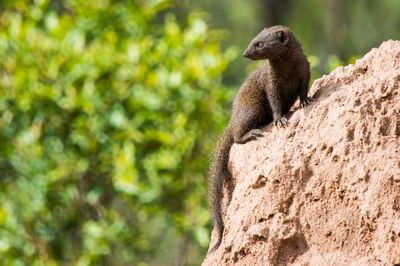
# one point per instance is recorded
(265, 96)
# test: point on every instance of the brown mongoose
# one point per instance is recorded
(265, 96)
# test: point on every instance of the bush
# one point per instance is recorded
(107, 114)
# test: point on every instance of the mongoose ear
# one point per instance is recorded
(283, 37)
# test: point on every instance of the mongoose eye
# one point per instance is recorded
(258, 44)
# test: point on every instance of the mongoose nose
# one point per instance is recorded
(246, 54)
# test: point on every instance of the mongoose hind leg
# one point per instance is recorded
(248, 136)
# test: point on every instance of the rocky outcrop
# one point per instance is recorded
(326, 189)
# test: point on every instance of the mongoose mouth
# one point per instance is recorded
(253, 55)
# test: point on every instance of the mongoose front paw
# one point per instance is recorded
(281, 122)
(306, 102)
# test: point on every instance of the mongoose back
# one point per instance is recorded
(265, 96)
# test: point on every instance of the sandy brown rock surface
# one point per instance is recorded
(326, 189)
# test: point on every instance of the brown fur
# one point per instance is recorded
(265, 96)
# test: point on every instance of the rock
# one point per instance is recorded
(326, 189)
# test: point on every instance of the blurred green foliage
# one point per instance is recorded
(108, 110)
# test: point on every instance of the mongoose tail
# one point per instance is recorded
(219, 173)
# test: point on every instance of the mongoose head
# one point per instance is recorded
(270, 43)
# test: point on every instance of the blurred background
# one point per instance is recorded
(110, 109)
